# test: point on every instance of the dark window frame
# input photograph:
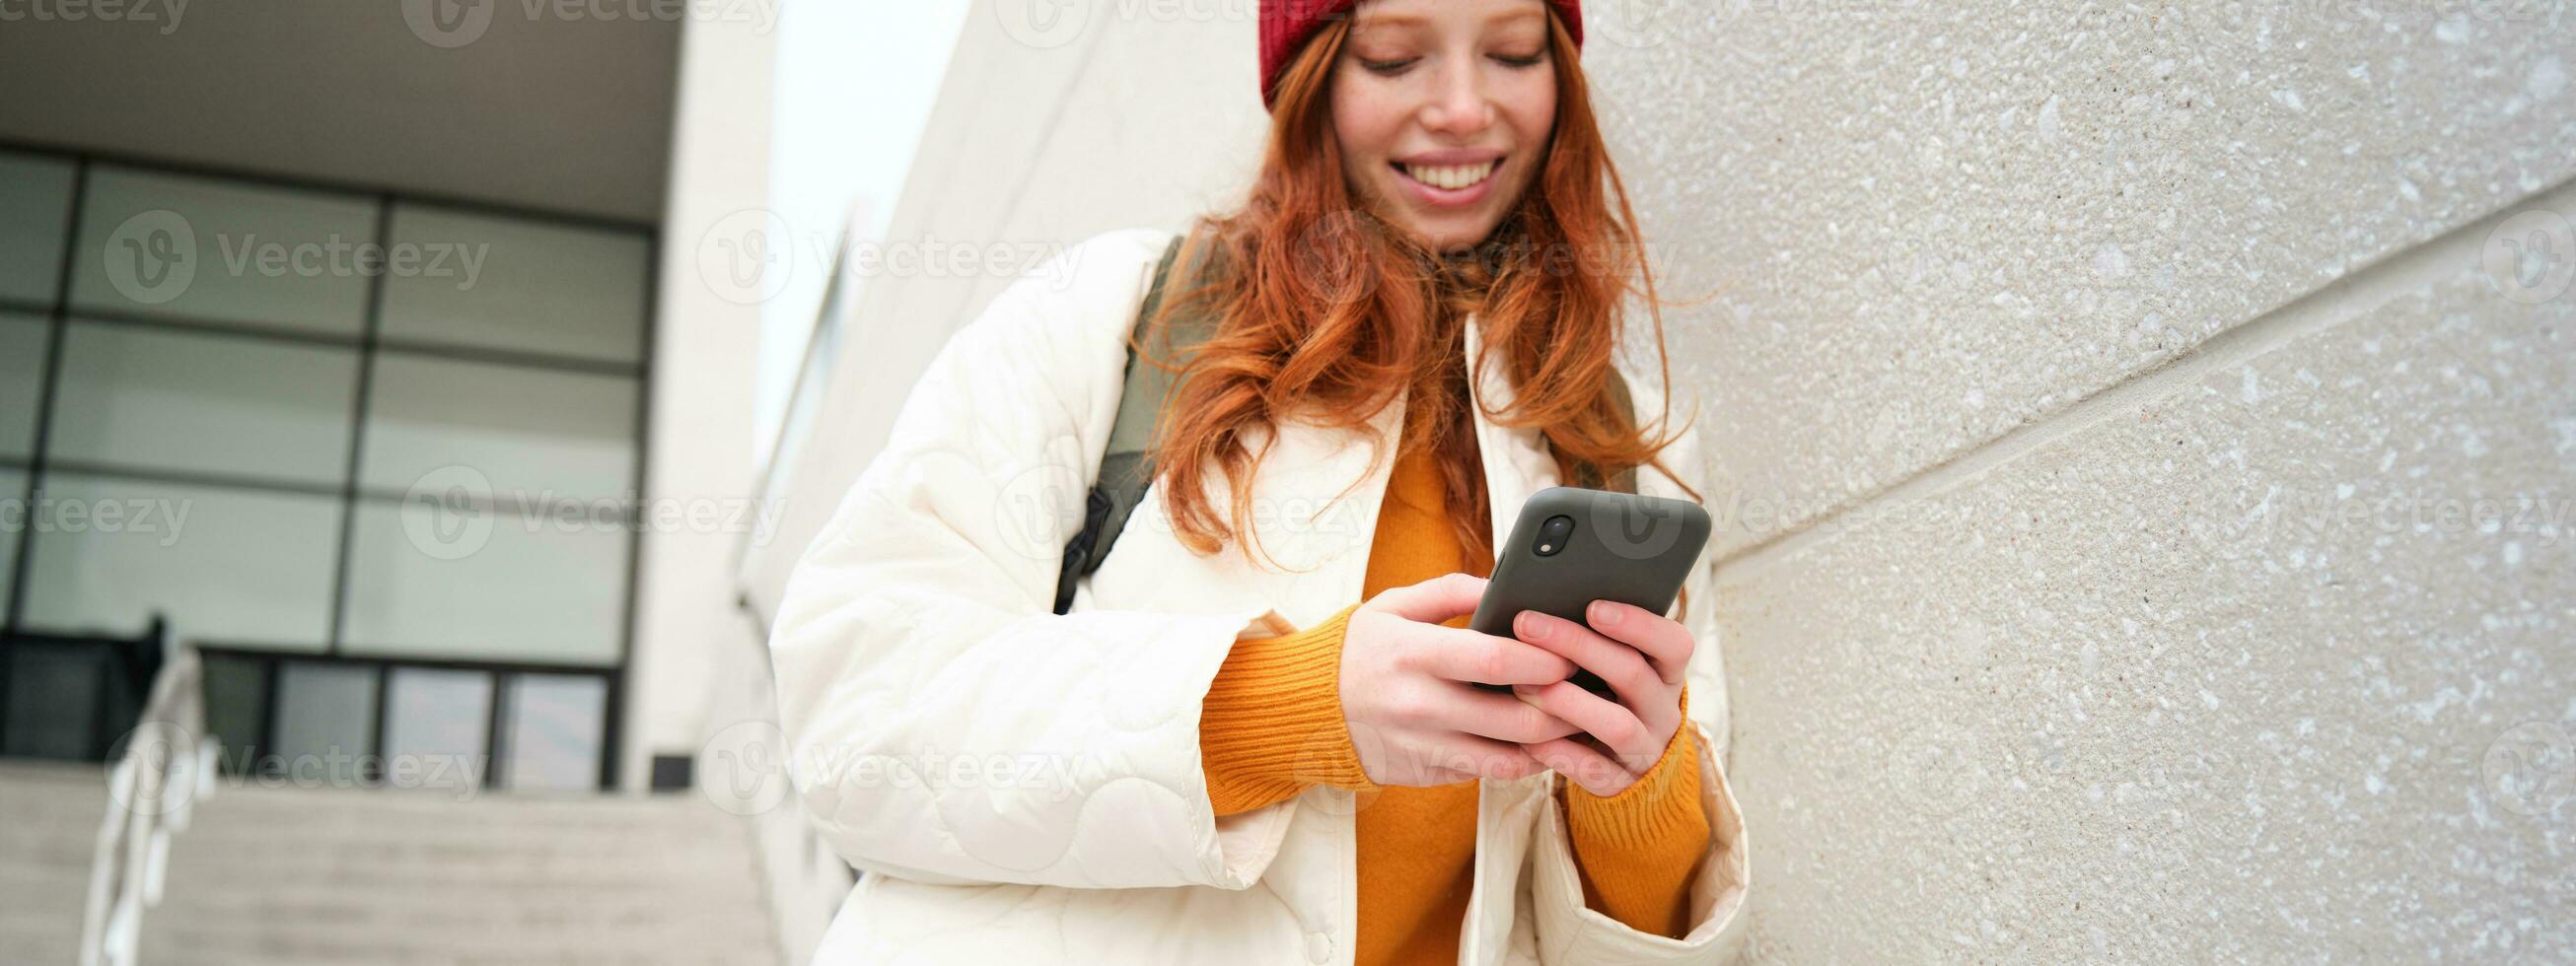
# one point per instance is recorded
(59, 315)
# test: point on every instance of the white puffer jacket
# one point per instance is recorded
(1021, 788)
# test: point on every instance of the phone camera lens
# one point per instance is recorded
(1552, 534)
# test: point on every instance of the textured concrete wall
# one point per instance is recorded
(2150, 512)
(2078, 378)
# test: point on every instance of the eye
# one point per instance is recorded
(1387, 67)
(1519, 62)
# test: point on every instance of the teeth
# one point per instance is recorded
(1452, 177)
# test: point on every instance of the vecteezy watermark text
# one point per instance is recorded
(155, 256)
(456, 23)
(337, 767)
(747, 768)
(449, 513)
(165, 13)
(190, 763)
(335, 256)
(55, 514)
(751, 255)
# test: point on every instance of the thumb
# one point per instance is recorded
(1434, 600)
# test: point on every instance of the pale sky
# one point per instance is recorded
(855, 86)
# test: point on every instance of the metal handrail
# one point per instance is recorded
(166, 767)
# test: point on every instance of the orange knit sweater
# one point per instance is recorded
(1272, 725)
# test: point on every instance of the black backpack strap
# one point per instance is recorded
(1127, 466)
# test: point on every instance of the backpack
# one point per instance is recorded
(1127, 465)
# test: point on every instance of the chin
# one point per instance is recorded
(1449, 235)
(1441, 243)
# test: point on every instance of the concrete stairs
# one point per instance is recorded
(298, 876)
(49, 817)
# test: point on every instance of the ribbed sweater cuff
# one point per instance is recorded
(1637, 850)
(1661, 810)
(1272, 722)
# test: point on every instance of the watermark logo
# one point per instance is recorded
(447, 513)
(157, 748)
(1644, 534)
(751, 255)
(1043, 24)
(1321, 254)
(1885, 431)
(2531, 768)
(1965, 647)
(743, 768)
(152, 257)
(1040, 507)
(172, 765)
(750, 768)
(449, 24)
(1936, 776)
(746, 257)
(2531, 257)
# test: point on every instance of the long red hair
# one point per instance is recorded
(1324, 312)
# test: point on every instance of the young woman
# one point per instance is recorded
(1257, 736)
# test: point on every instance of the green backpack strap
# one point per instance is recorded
(1127, 467)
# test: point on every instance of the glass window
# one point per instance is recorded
(484, 583)
(54, 692)
(22, 381)
(236, 707)
(517, 548)
(435, 722)
(805, 403)
(553, 735)
(207, 403)
(517, 430)
(227, 565)
(326, 718)
(200, 249)
(515, 284)
(35, 207)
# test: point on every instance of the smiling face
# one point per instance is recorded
(1443, 109)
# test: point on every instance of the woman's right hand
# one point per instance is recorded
(1409, 695)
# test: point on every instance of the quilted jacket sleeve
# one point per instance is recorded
(1571, 933)
(945, 726)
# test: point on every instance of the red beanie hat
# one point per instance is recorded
(1286, 25)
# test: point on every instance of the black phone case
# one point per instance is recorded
(1625, 547)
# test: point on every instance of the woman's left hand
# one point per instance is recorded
(1642, 655)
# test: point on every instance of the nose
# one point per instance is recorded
(1458, 103)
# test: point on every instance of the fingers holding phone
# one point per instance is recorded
(1410, 697)
(1587, 575)
(1641, 656)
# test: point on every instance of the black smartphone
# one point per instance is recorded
(1572, 546)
